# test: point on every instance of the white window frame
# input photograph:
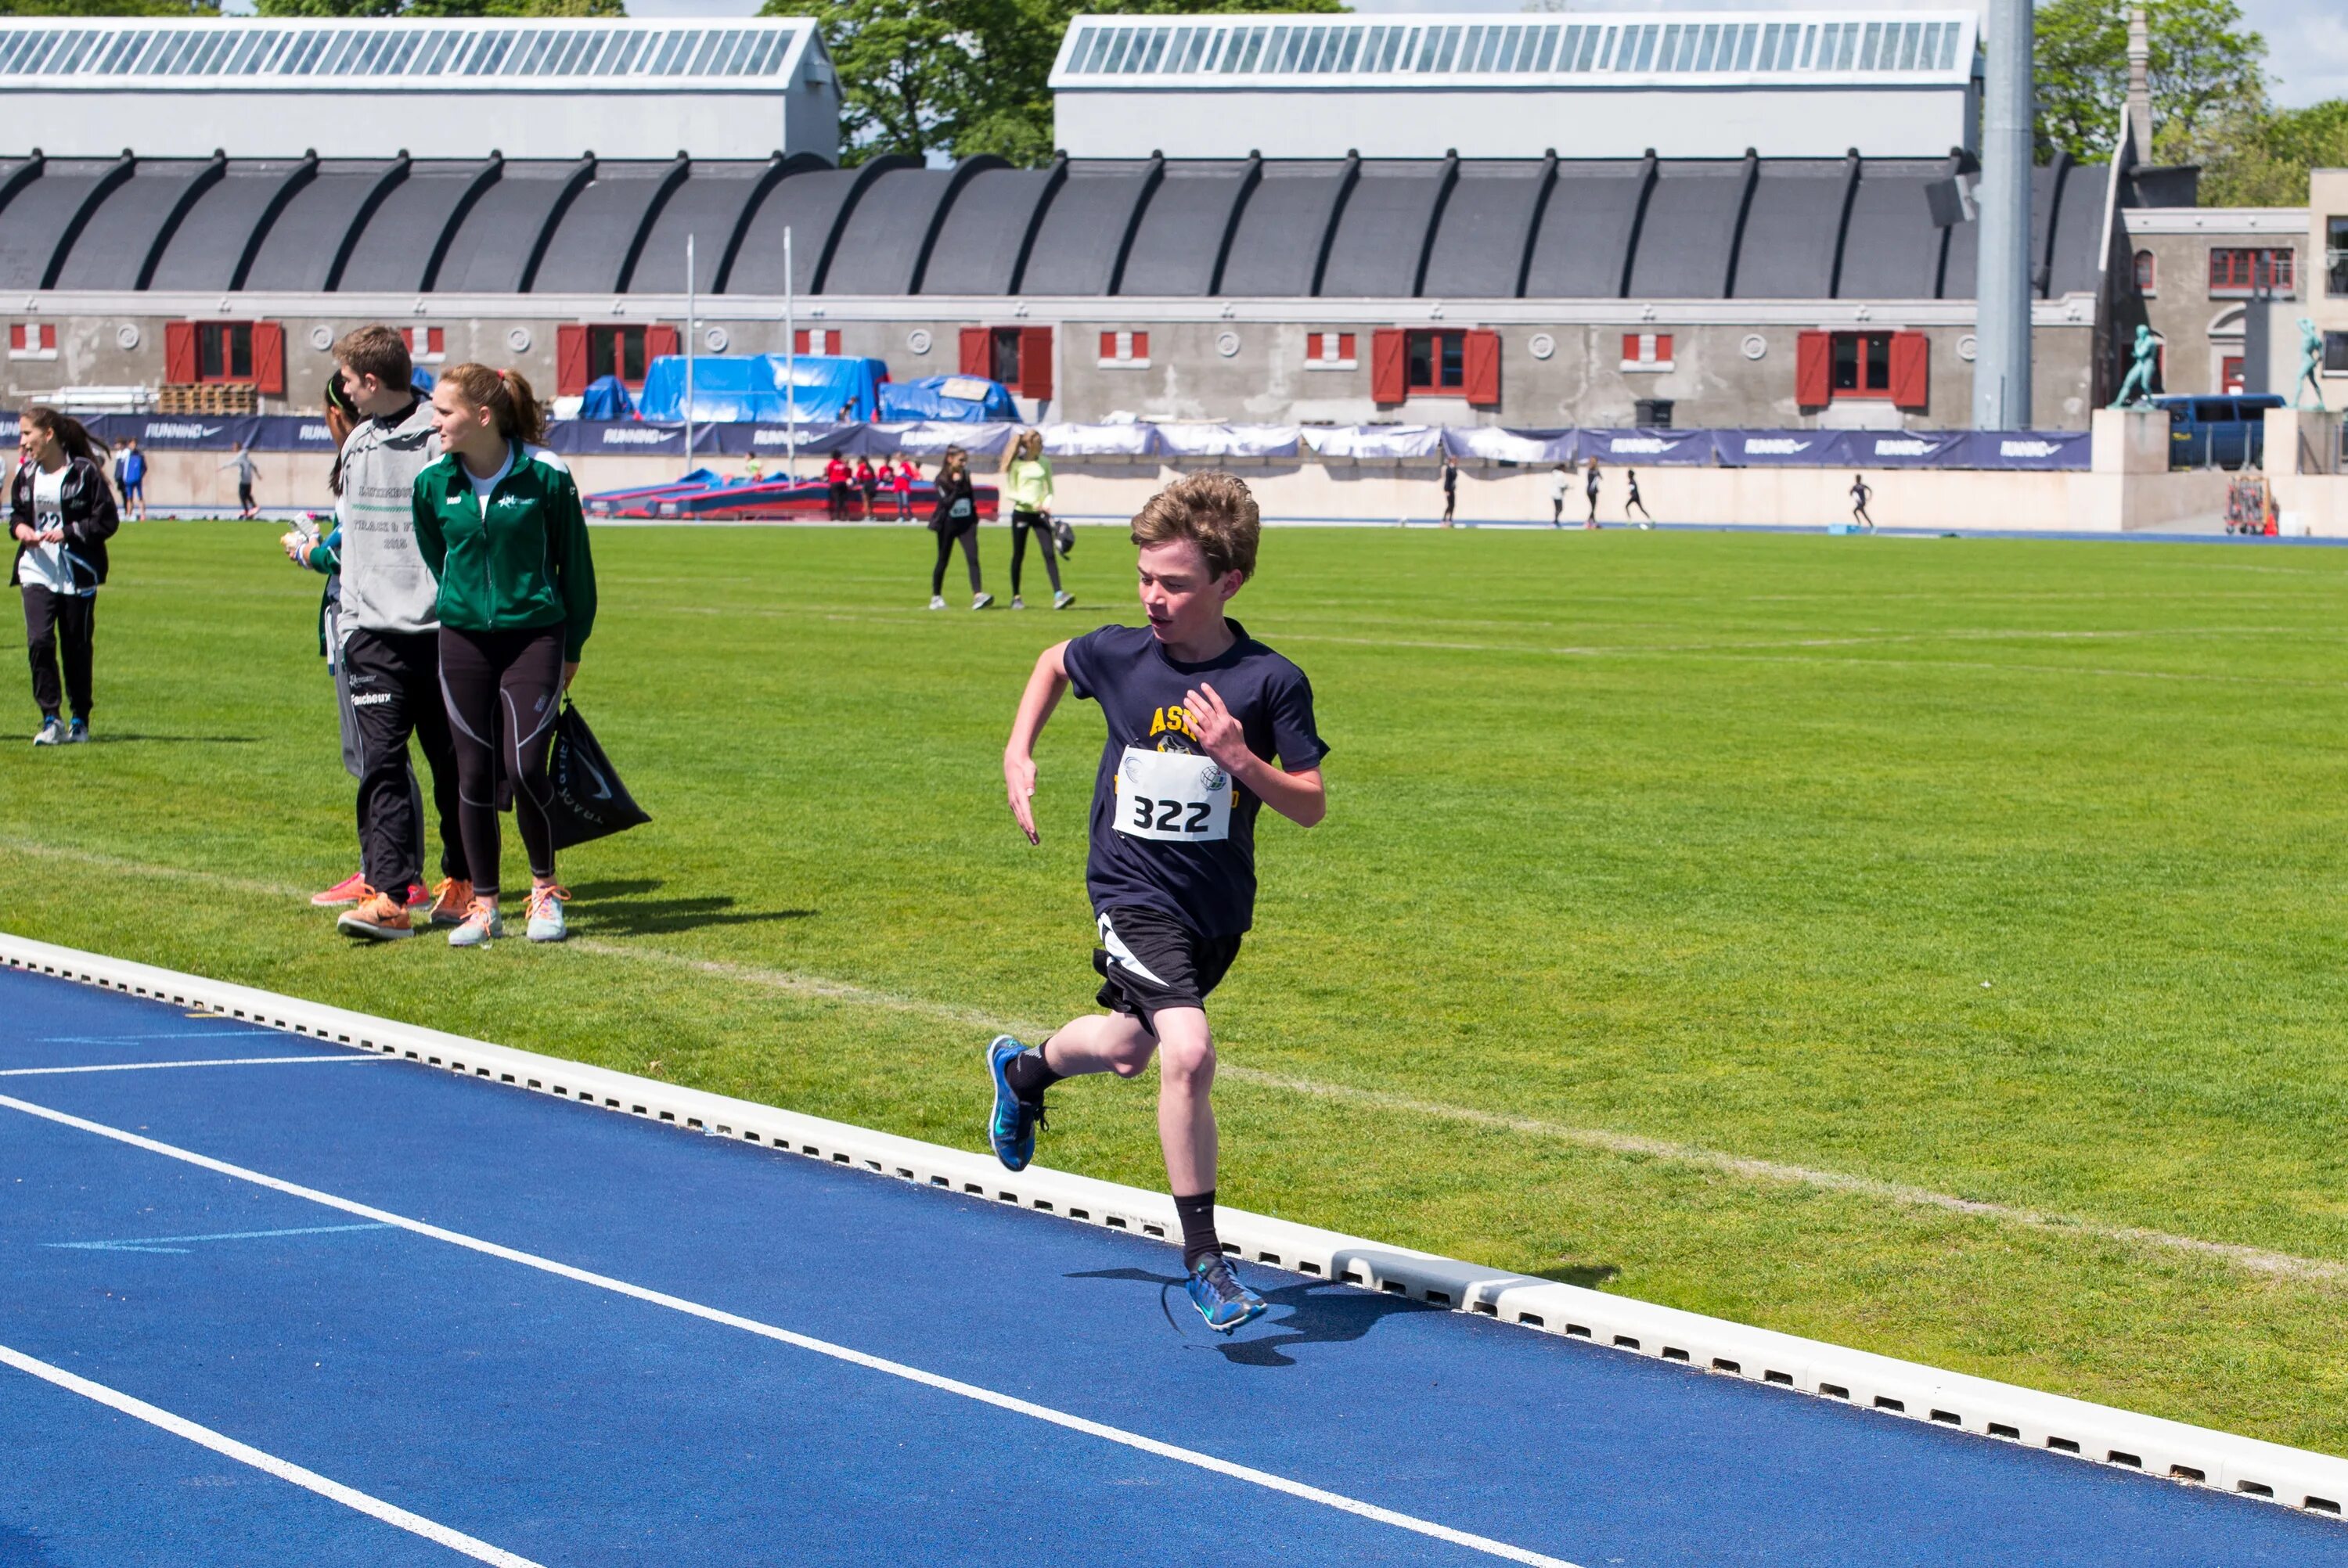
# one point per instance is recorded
(1125, 358)
(1326, 359)
(1650, 358)
(35, 334)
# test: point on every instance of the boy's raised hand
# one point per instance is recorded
(1019, 784)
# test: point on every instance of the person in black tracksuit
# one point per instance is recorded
(1450, 488)
(61, 511)
(955, 519)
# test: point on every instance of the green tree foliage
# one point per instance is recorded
(962, 78)
(434, 8)
(2207, 70)
(2261, 161)
(110, 8)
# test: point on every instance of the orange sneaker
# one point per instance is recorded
(450, 900)
(349, 890)
(379, 918)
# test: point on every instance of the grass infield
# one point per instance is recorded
(1922, 945)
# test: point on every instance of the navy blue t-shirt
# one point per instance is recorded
(1208, 885)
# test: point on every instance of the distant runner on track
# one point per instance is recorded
(1195, 708)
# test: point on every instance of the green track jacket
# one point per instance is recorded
(524, 564)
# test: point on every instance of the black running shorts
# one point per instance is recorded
(1149, 960)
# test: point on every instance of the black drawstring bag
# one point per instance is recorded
(589, 800)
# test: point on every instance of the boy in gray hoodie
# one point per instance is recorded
(392, 651)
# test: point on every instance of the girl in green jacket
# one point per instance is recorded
(1028, 481)
(498, 522)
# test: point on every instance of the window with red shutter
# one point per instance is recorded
(1108, 353)
(1647, 350)
(660, 340)
(1389, 365)
(1813, 378)
(1911, 372)
(572, 373)
(178, 354)
(1142, 347)
(1035, 363)
(977, 351)
(1482, 379)
(269, 358)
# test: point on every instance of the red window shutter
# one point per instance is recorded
(659, 339)
(1141, 345)
(1035, 363)
(407, 337)
(799, 342)
(1389, 359)
(571, 372)
(1911, 365)
(269, 358)
(1108, 345)
(1630, 348)
(179, 353)
(976, 358)
(16, 335)
(1344, 345)
(1483, 369)
(1662, 348)
(1813, 369)
(435, 340)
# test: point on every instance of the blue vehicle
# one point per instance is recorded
(2226, 430)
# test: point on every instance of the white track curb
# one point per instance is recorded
(2310, 1482)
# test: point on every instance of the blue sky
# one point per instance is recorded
(2307, 40)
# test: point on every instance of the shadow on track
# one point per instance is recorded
(1315, 1313)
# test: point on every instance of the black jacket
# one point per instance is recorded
(958, 488)
(87, 505)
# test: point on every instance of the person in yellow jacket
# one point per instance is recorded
(1028, 482)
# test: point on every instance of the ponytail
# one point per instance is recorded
(69, 432)
(506, 394)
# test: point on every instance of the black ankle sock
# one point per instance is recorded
(1029, 1075)
(1199, 1239)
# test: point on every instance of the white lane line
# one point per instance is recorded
(284, 1470)
(1193, 1457)
(152, 1066)
(163, 1243)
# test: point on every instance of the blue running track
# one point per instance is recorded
(614, 1342)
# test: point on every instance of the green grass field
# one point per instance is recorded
(1705, 916)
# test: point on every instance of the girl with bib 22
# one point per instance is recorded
(498, 522)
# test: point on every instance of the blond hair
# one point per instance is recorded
(1214, 510)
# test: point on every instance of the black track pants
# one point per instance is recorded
(58, 623)
(969, 539)
(1021, 521)
(394, 681)
(504, 690)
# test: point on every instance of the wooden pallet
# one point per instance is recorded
(209, 398)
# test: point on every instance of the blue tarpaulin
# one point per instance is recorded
(946, 397)
(750, 388)
(607, 398)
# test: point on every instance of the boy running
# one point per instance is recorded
(1195, 710)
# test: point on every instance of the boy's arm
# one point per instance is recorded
(1045, 687)
(1298, 796)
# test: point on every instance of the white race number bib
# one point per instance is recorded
(1177, 797)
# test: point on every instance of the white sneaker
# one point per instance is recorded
(937, 603)
(1063, 600)
(482, 924)
(546, 913)
(981, 601)
(1017, 602)
(52, 734)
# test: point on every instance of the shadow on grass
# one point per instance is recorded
(102, 738)
(599, 891)
(1312, 1312)
(1589, 1276)
(662, 916)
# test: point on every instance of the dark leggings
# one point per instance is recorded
(1021, 521)
(503, 689)
(968, 538)
(54, 623)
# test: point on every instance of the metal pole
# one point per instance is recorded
(790, 367)
(692, 331)
(2002, 322)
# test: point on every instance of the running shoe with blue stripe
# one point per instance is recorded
(1219, 1295)
(1012, 1128)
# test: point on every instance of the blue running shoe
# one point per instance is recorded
(1219, 1296)
(1012, 1128)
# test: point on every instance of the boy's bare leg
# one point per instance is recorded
(1186, 1110)
(1099, 1043)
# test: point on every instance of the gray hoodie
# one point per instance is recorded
(386, 586)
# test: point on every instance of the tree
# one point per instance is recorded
(434, 8)
(2207, 71)
(962, 78)
(2261, 161)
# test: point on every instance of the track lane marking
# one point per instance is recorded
(161, 1243)
(269, 1463)
(1193, 1457)
(211, 1062)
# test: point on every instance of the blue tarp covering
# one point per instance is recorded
(750, 388)
(607, 398)
(946, 397)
